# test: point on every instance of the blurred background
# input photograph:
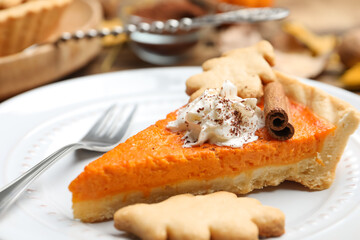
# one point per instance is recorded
(320, 39)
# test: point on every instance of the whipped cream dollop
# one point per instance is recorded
(219, 117)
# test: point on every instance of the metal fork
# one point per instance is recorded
(103, 136)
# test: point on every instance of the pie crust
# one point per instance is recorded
(24, 23)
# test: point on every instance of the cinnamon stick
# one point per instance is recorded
(277, 112)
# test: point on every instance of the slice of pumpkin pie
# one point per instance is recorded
(221, 140)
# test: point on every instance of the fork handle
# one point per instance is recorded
(11, 192)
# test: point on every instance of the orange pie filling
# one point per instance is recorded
(155, 157)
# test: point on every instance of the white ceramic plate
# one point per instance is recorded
(36, 123)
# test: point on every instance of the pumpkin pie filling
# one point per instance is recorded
(155, 157)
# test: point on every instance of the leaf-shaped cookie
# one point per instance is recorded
(246, 68)
(221, 215)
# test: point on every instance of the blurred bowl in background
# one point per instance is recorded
(163, 48)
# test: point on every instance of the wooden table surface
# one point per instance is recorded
(119, 58)
(323, 16)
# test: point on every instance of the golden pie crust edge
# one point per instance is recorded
(26, 24)
(308, 172)
(340, 113)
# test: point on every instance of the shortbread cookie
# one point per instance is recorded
(221, 215)
(246, 68)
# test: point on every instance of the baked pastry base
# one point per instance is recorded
(28, 23)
